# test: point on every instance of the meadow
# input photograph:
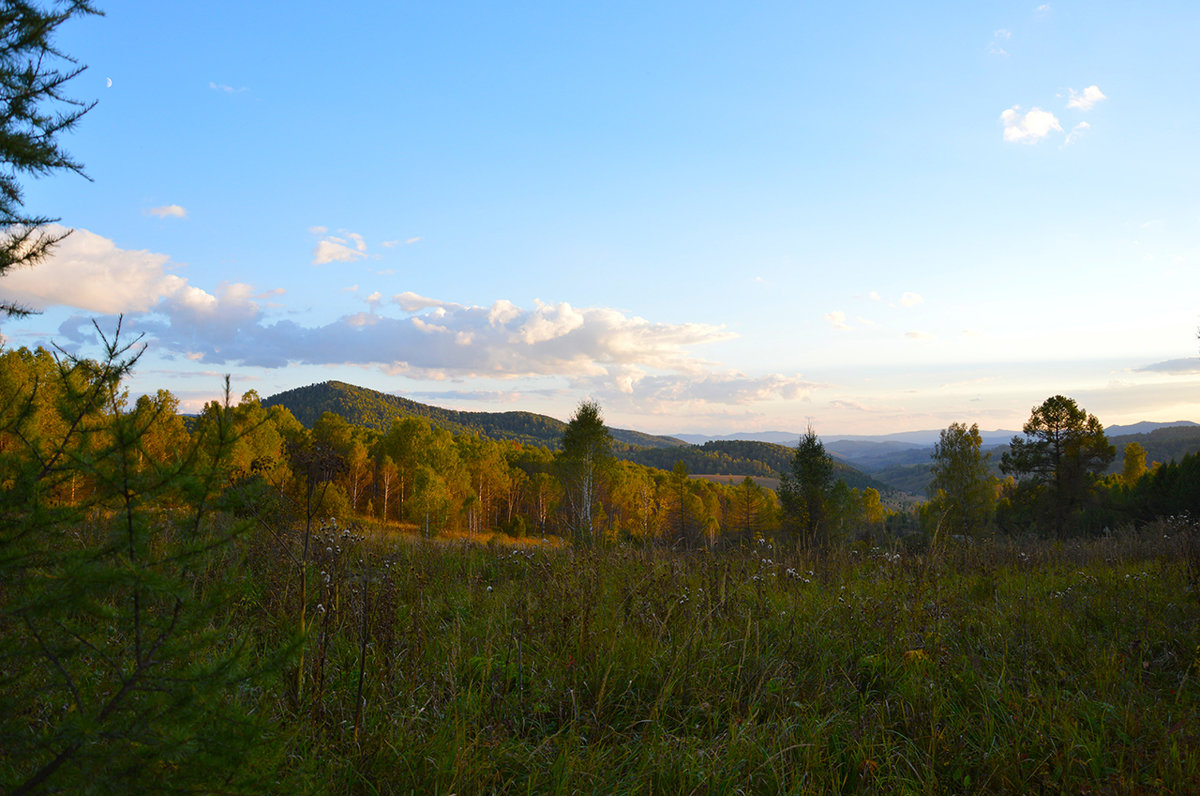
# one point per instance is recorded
(171, 620)
(1012, 666)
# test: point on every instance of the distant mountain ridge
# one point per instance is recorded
(925, 438)
(744, 457)
(897, 461)
(908, 469)
(378, 410)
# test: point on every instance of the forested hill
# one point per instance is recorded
(742, 457)
(377, 410)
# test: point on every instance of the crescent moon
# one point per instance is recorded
(108, 82)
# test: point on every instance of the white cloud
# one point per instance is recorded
(328, 251)
(387, 244)
(911, 300)
(168, 211)
(918, 335)
(837, 319)
(444, 340)
(435, 339)
(411, 302)
(1043, 9)
(411, 241)
(1076, 132)
(1030, 127)
(90, 273)
(874, 296)
(1085, 100)
(224, 88)
(347, 247)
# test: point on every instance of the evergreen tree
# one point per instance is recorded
(805, 491)
(749, 504)
(120, 669)
(1058, 459)
(34, 112)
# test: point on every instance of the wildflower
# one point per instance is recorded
(320, 608)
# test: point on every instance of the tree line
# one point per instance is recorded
(1055, 482)
(426, 479)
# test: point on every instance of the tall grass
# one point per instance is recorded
(1006, 667)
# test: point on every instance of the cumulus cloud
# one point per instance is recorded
(90, 273)
(168, 211)
(1085, 100)
(435, 340)
(1028, 128)
(911, 300)
(606, 349)
(837, 319)
(332, 248)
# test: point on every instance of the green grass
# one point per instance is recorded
(998, 668)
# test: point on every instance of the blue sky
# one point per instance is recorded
(708, 217)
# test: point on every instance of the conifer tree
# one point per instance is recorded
(120, 670)
(805, 492)
(34, 112)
